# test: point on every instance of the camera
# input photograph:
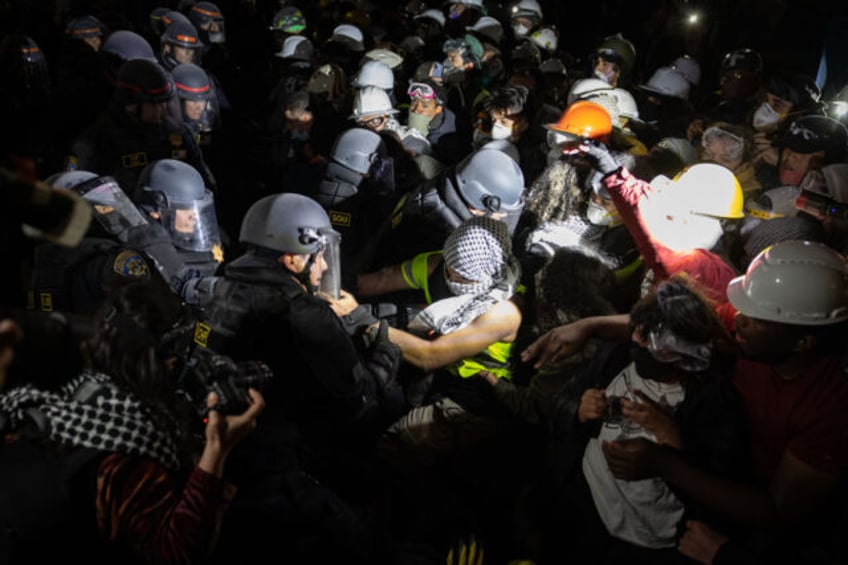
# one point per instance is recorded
(203, 371)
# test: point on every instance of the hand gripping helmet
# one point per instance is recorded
(793, 282)
(175, 191)
(490, 180)
(286, 223)
(584, 120)
(209, 21)
(180, 36)
(374, 73)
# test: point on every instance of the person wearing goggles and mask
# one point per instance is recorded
(668, 386)
(430, 116)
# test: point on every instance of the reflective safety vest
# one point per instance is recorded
(494, 359)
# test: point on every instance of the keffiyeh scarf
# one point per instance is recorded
(112, 420)
(479, 250)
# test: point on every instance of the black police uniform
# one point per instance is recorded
(337, 390)
(114, 146)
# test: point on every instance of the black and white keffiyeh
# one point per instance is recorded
(479, 250)
(113, 420)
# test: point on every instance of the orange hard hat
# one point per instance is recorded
(585, 120)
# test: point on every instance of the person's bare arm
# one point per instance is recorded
(499, 323)
(564, 341)
(384, 281)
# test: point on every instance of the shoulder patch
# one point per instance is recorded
(131, 264)
(340, 219)
(201, 334)
(134, 160)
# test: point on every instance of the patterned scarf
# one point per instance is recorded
(114, 420)
(479, 250)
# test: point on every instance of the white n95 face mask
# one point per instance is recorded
(765, 118)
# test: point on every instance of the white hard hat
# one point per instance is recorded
(689, 68)
(433, 15)
(793, 282)
(488, 27)
(349, 35)
(371, 101)
(667, 81)
(546, 38)
(374, 73)
(386, 56)
(526, 7)
(584, 86)
(298, 48)
(618, 102)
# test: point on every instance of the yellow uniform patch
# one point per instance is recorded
(341, 219)
(201, 334)
(45, 301)
(218, 253)
(134, 160)
(131, 264)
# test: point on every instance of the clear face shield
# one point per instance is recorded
(193, 225)
(331, 279)
(113, 209)
(201, 114)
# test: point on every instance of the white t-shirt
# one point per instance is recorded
(646, 512)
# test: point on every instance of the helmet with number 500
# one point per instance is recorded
(793, 282)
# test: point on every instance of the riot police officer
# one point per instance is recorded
(141, 125)
(334, 368)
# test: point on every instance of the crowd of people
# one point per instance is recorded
(413, 283)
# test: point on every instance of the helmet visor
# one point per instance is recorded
(112, 207)
(331, 279)
(193, 225)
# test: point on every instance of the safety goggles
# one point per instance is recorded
(421, 90)
(717, 132)
(666, 347)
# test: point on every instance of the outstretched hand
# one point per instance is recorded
(557, 344)
(598, 152)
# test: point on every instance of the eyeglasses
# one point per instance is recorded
(666, 347)
(421, 90)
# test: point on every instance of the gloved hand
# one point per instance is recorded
(600, 154)
(357, 319)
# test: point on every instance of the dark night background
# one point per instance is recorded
(789, 34)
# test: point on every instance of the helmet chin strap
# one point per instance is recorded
(303, 276)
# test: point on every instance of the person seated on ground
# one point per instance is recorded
(669, 386)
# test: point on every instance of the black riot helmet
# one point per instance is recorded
(180, 44)
(142, 81)
(23, 64)
(198, 102)
(122, 46)
(209, 21)
(174, 194)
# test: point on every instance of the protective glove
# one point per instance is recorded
(600, 154)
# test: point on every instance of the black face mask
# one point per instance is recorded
(650, 368)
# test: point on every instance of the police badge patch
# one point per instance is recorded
(130, 264)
